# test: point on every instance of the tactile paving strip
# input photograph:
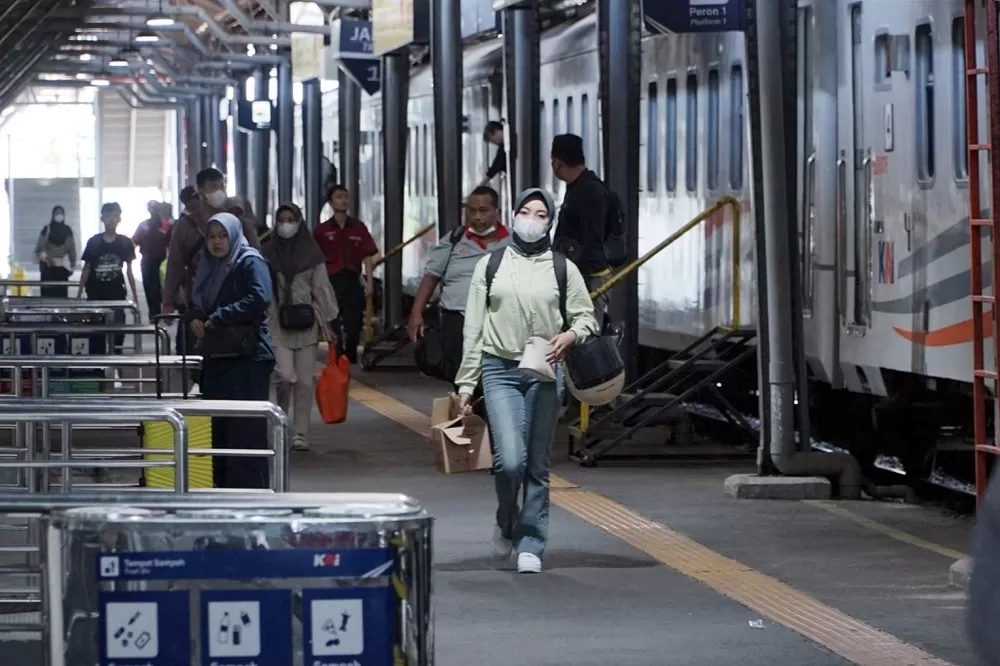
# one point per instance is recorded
(852, 639)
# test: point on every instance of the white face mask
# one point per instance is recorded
(58, 217)
(216, 199)
(529, 230)
(288, 229)
(484, 232)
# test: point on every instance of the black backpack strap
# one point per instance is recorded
(492, 266)
(559, 265)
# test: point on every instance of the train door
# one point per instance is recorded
(855, 194)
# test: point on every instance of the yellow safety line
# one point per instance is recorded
(852, 639)
(856, 641)
(886, 530)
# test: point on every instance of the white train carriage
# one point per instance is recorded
(883, 178)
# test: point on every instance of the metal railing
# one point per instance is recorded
(277, 420)
(37, 306)
(12, 331)
(16, 286)
(737, 210)
(34, 473)
(44, 364)
(368, 331)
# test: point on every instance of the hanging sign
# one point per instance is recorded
(354, 50)
(686, 16)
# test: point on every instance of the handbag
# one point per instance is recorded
(433, 357)
(295, 316)
(237, 341)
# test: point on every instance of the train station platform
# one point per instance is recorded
(655, 565)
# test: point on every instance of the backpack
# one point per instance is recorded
(558, 265)
(615, 246)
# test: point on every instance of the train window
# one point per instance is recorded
(585, 121)
(670, 160)
(691, 133)
(569, 116)
(652, 136)
(713, 129)
(736, 129)
(883, 69)
(960, 132)
(925, 102)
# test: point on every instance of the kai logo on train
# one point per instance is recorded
(326, 560)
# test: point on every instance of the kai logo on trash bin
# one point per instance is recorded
(326, 560)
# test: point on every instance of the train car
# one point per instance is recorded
(883, 194)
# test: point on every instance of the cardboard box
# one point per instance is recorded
(462, 445)
(444, 409)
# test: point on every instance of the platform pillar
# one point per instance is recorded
(446, 65)
(285, 135)
(241, 142)
(312, 149)
(521, 79)
(260, 150)
(349, 136)
(395, 98)
(620, 51)
(195, 153)
(214, 136)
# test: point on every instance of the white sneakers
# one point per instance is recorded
(503, 548)
(528, 563)
(299, 443)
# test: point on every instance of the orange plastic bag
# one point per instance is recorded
(332, 388)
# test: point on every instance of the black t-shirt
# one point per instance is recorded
(582, 219)
(106, 281)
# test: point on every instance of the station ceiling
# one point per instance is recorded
(158, 49)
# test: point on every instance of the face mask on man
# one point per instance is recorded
(58, 217)
(484, 232)
(288, 229)
(216, 199)
(529, 230)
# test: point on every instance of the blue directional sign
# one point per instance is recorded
(357, 57)
(349, 626)
(246, 564)
(144, 628)
(242, 627)
(684, 16)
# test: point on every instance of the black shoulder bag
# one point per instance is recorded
(236, 341)
(434, 355)
(294, 316)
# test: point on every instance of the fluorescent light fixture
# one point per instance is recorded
(146, 37)
(118, 62)
(83, 76)
(159, 21)
(86, 57)
(100, 83)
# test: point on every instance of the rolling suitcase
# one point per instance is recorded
(158, 435)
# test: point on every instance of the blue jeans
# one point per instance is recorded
(522, 413)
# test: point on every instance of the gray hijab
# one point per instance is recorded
(545, 242)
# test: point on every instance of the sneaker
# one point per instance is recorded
(300, 443)
(528, 563)
(502, 547)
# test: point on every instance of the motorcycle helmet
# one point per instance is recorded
(595, 373)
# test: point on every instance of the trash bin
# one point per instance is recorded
(299, 580)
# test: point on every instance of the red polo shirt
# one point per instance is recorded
(345, 248)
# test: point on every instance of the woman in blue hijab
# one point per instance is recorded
(231, 294)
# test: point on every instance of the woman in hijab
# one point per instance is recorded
(515, 297)
(55, 252)
(231, 294)
(301, 314)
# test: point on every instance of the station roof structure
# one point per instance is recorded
(157, 49)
